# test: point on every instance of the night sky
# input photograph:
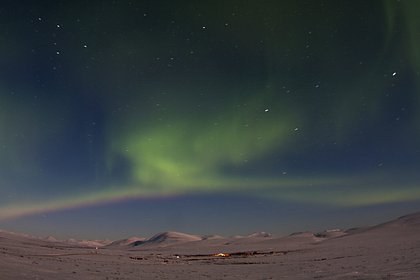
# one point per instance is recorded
(122, 118)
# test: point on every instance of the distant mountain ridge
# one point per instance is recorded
(408, 223)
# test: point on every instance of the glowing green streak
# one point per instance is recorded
(410, 24)
(326, 191)
(192, 154)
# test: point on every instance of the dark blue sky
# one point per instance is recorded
(203, 109)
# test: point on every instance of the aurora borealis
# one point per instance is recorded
(104, 104)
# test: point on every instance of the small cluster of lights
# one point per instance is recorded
(222, 255)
